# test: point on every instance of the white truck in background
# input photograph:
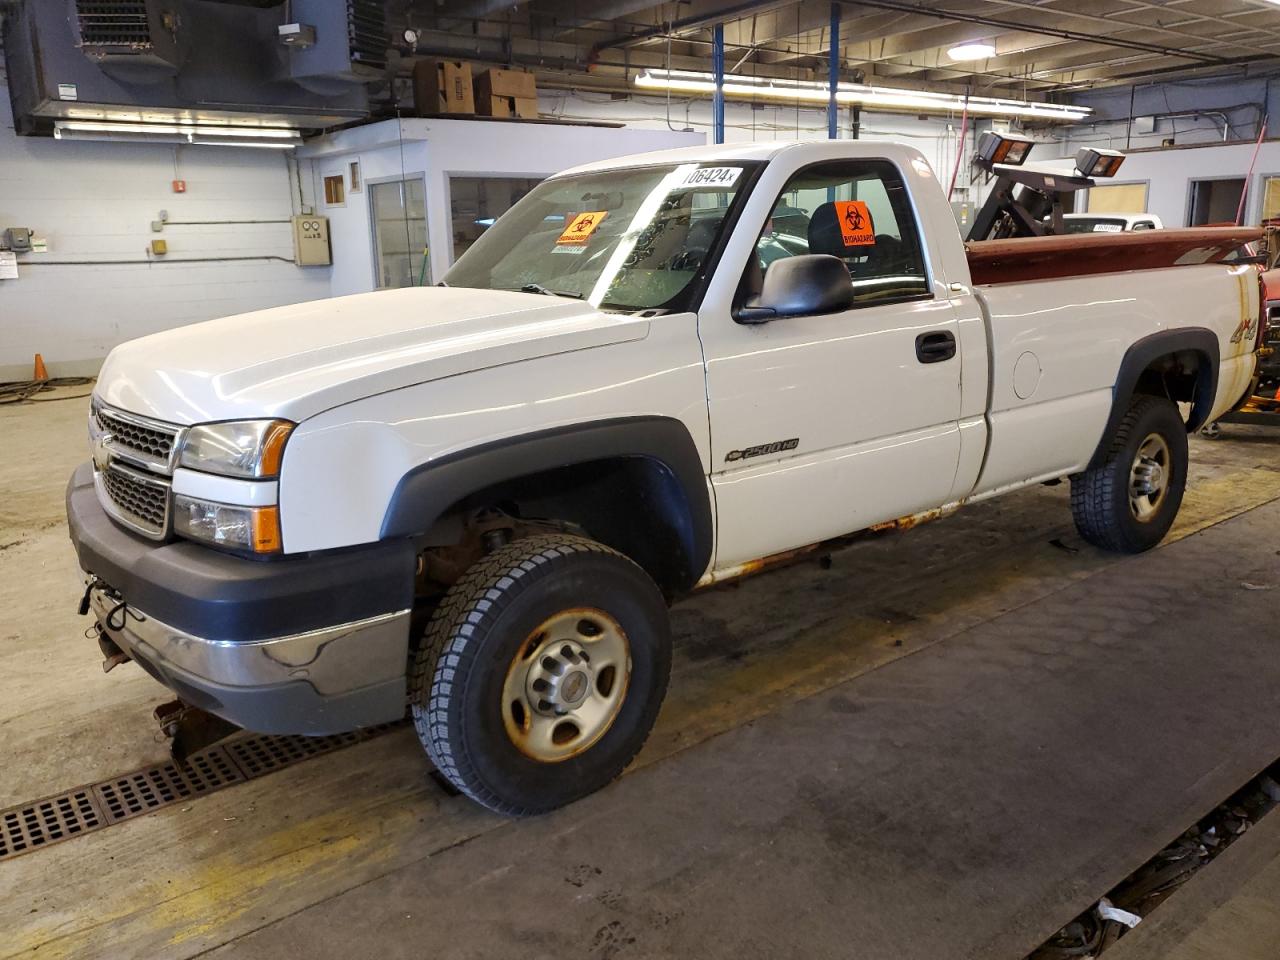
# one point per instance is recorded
(482, 496)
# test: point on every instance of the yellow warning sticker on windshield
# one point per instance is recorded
(582, 226)
(856, 228)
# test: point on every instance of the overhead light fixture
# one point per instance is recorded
(978, 50)
(1093, 162)
(276, 138)
(885, 98)
(1002, 148)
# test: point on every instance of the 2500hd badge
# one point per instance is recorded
(778, 446)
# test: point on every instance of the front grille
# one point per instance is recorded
(149, 442)
(139, 499)
(117, 23)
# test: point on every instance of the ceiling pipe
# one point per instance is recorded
(958, 17)
(483, 8)
(902, 6)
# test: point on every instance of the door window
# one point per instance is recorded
(399, 233)
(857, 211)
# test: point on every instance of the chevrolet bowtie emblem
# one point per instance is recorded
(102, 451)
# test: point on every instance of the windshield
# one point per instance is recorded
(632, 239)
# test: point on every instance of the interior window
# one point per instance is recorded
(855, 210)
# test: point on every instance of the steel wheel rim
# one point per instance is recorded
(1149, 478)
(566, 684)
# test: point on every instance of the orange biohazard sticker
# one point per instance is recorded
(581, 226)
(856, 228)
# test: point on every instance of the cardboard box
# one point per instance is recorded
(442, 86)
(524, 107)
(505, 83)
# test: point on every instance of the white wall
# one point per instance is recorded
(94, 203)
(1194, 113)
(1168, 175)
(438, 149)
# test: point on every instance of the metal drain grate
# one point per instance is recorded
(259, 755)
(37, 824)
(144, 790)
(47, 821)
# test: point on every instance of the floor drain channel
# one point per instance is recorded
(1100, 927)
(47, 821)
(145, 790)
(38, 824)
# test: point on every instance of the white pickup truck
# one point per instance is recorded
(650, 375)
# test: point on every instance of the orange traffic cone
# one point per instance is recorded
(41, 373)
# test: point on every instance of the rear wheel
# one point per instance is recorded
(1128, 502)
(540, 675)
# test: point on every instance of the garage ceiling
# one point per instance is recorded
(1041, 46)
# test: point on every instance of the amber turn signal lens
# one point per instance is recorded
(273, 447)
(266, 530)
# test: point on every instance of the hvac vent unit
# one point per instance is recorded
(367, 34)
(350, 44)
(129, 33)
(185, 61)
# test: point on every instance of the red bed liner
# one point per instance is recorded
(1081, 254)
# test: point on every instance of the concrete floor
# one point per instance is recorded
(947, 744)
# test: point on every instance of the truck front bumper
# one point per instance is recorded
(315, 644)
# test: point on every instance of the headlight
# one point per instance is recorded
(247, 448)
(225, 525)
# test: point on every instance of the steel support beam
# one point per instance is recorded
(717, 68)
(833, 75)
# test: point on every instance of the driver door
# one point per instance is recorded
(823, 425)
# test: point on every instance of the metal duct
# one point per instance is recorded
(189, 61)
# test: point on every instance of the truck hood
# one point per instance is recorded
(294, 362)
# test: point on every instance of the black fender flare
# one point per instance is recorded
(1140, 355)
(428, 490)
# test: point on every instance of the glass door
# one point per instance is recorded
(399, 217)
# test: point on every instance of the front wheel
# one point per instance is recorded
(540, 675)
(1128, 502)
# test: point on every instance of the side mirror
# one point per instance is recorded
(811, 284)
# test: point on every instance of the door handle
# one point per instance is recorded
(935, 347)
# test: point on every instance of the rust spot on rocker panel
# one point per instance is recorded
(906, 523)
(752, 567)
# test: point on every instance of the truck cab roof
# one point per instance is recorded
(753, 152)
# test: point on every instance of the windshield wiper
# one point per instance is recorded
(548, 292)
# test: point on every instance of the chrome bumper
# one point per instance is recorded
(321, 681)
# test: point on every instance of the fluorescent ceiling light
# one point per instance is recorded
(203, 134)
(884, 98)
(978, 50)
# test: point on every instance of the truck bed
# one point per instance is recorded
(1074, 255)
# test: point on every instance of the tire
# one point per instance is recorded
(1107, 501)
(548, 600)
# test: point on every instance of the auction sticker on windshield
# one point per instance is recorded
(582, 226)
(710, 178)
(856, 228)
